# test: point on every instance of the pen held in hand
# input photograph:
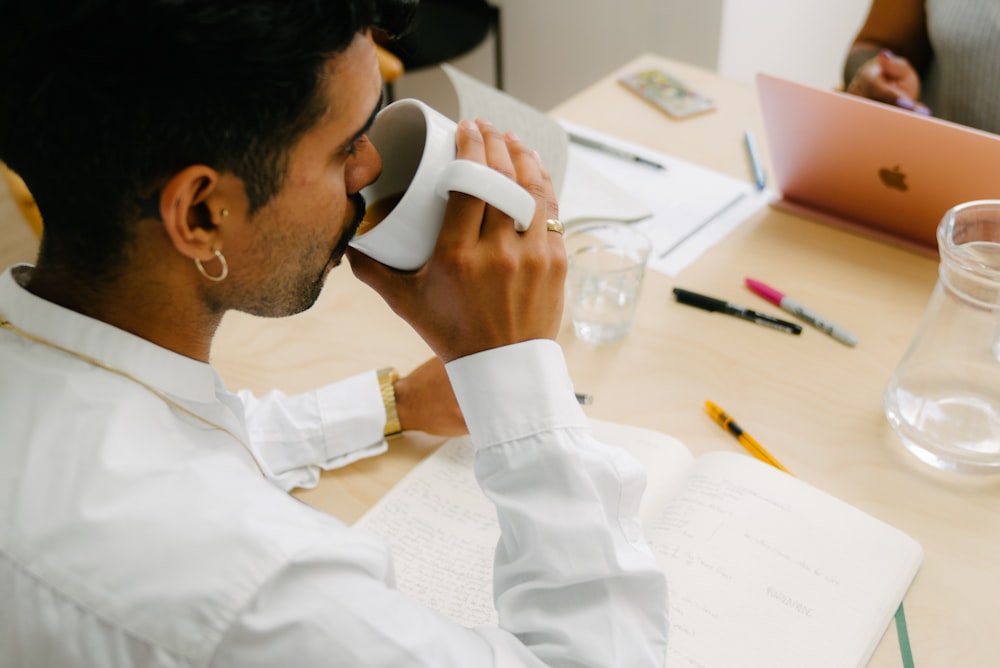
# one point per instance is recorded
(707, 303)
(616, 151)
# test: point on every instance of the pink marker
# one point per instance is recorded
(786, 303)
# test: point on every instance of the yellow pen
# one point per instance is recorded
(745, 439)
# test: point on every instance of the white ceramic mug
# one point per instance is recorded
(417, 145)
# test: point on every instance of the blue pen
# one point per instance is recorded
(758, 171)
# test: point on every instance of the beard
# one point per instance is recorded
(311, 292)
(292, 293)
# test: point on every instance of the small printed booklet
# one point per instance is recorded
(763, 569)
(667, 92)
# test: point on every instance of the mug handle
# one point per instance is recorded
(489, 185)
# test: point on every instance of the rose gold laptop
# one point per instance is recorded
(876, 169)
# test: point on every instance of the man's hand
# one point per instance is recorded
(426, 402)
(486, 285)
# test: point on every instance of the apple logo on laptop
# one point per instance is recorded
(893, 178)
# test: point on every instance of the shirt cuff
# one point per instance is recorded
(515, 391)
(333, 426)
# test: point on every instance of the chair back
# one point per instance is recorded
(22, 197)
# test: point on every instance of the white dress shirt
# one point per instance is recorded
(133, 534)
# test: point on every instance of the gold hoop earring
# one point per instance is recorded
(222, 274)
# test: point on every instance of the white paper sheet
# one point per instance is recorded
(690, 207)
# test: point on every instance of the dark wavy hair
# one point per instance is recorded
(103, 100)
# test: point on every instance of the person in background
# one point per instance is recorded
(930, 56)
(190, 158)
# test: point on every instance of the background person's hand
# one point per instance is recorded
(890, 79)
(486, 285)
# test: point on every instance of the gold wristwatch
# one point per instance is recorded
(387, 376)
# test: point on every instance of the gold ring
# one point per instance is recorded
(553, 225)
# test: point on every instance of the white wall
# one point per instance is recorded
(553, 48)
(805, 41)
(556, 47)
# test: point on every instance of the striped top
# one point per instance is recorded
(963, 83)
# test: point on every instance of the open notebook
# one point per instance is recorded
(874, 168)
(763, 569)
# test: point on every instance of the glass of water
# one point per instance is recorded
(607, 262)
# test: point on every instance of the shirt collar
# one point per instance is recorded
(164, 369)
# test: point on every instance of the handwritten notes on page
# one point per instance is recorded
(762, 568)
(784, 572)
(439, 525)
(689, 208)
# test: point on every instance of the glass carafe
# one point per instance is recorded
(943, 399)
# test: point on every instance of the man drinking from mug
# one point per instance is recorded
(191, 158)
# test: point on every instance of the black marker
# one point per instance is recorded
(713, 304)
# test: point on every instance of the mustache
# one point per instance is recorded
(360, 205)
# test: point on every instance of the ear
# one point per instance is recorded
(191, 212)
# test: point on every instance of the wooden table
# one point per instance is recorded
(814, 403)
